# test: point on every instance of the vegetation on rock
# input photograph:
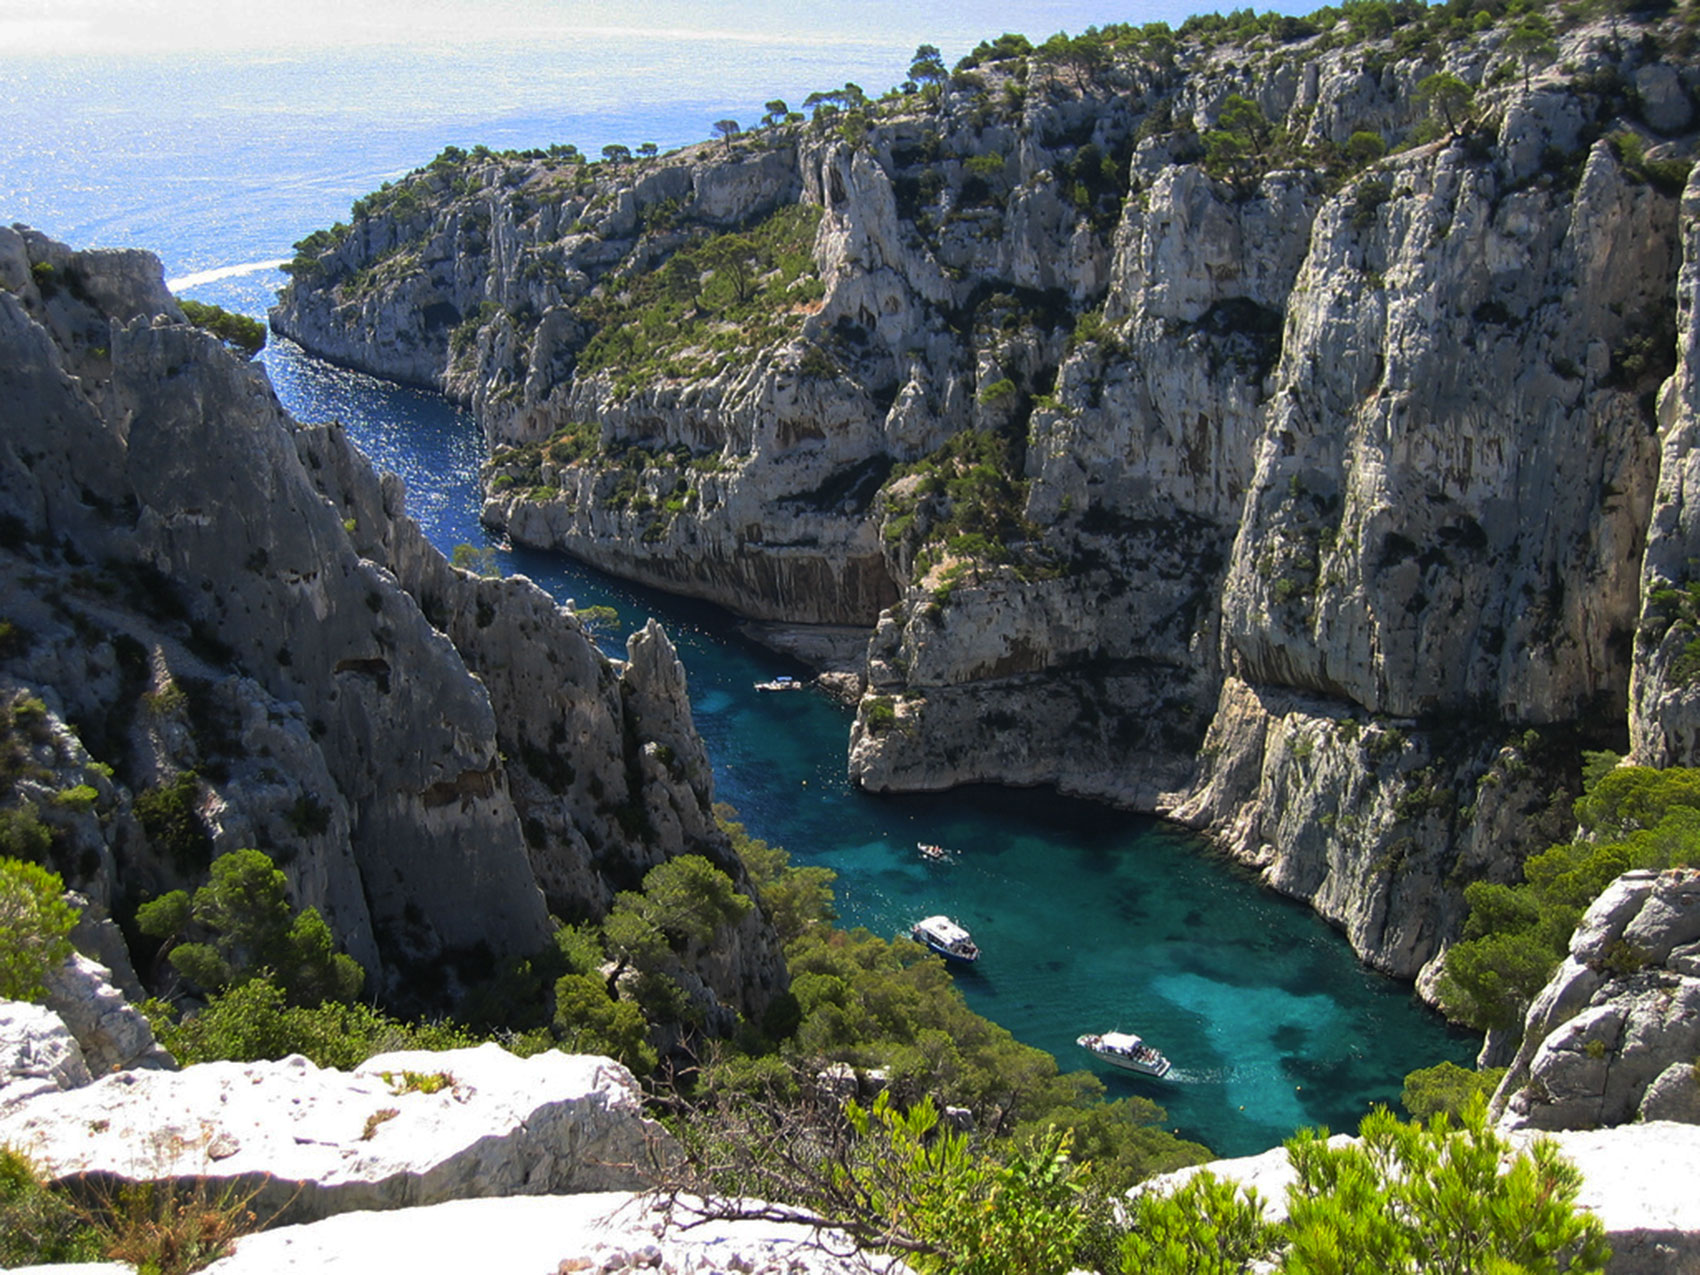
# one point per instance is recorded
(246, 336)
(250, 932)
(35, 927)
(1516, 935)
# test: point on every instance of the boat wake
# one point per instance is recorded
(202, 277)
(1207, 1076)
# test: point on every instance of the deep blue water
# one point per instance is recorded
(1090, 919)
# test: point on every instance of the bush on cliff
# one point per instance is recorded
(242, 334)
(1403, 1198)
(244, 928)
(1515, 936)
(39, 1225)
(254, 1021)
(1445, 1196)
(35, 925)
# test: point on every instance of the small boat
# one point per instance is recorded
(942, 935)
(937, 854)
(782, 684)
(1120, 1049)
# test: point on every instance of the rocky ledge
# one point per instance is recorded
(402, 1129)
(469, 1159)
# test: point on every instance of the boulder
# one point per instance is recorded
(112, 1032)
(1615, 1032)
(403, 1129)
(38, 1054)
(600, 1232)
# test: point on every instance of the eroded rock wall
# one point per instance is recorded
(1169, 458)
(223, 631)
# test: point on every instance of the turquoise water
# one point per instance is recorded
(1090, 919)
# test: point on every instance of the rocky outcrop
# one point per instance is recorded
(112, 1034)
(221, 630)
(400, 1131)
(1635, 1180)
(1614, 1036)
(1159, 451)
(38, 1054)
(608, 1233)
(1665, 703)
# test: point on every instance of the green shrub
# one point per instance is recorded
(254, 1021)
(588, 1020)
(881, 714)
(1447, 1088)
(1404, 1198)
(251, 931)
(35, 927)
(78, 798)
(39, 1225)
(23, 835)
(170, 816)
(238, 331)
(1631, 817)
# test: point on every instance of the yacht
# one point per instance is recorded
(942, 935)
(1120, 1049)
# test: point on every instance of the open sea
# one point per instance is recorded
(1090, 919)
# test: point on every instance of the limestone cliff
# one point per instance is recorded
(221, 630)
(1252, 423)
(1613, 1036)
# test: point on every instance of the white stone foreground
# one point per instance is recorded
(312, 1142)
(547, 1235)
(1638, 1179)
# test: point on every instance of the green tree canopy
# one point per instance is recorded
(1445, 95)
(238, 331)
(927, 69)
(35, 928)
(1515, 935)
(250, 930)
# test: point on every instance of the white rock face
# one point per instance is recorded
(1614, 1035)
(1664, 698)
(38, 1054)
(317, 1142)
(601, 1232)
(112, 1033)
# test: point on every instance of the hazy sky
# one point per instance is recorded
(65, 26)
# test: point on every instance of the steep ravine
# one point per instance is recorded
(221, 630)
(1213, 467)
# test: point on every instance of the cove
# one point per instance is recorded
(1089, 918)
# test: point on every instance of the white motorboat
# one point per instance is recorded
(1126, 1051)
(942, 935)
(782, 684)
